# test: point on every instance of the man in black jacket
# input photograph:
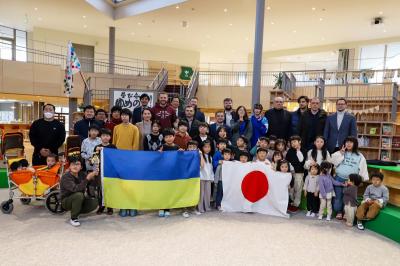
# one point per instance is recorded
(279, 120)
(81, 127)
(137, 112)
(229, 114)
(198, 115)
(73, 185)
(193, 129)
(312, 124)
(46, 135)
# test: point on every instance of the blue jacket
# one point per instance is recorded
(260, 128)
(81, 127)
(199, 115)
(334, 135)
(216, 158)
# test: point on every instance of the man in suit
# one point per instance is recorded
(339, 126)
(229, 114)
(137, 112)
(193, 128)
(199, 115)
(175, 103)
(219, 122)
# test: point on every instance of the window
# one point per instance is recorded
(372, 57)
(393, 56)
(12, 44)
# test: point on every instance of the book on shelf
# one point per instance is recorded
(372, 131)
(363, 141)
(396, 143)
(385, 156)
(387, 129)
(386, 143)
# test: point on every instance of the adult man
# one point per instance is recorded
(296, 115)
(81, 127)
(163, 112)
(339, 126)
(279, 120)
(229, 114)
(312, 124)
(219, 122)
(137, 112)
(73, 185)
(46, 135)
(175, 103)
(259, 123)
(199, 115)
(101, 116)
(193, 128)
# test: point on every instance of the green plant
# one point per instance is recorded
(278, 81)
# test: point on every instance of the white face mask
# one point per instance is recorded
(48, 115)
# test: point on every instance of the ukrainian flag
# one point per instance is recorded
(146, 180)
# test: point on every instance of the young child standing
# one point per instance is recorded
(88, 146)
(206, 177)
(192, 146)
(262, 156)
(375, 198)
(326, 192)
(154, 140)
(241, 146)
(276, 157)
(311, 190)
(226, 155)
(126, 136)
(296, 156)
(105, 136)
(218, 157)
(222, 133)
(182, 136)
(317, 154)
(204, 135)
(262, 142)
(350, 198)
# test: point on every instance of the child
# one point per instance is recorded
(203, 136)
(262, 142)
(347, 161)
(88, 146)
(276, 157)
(262, 156)
(217, 158)
(169, 138)
(311, 189)
(350, 198)
(23, 164)
(182, 136)
(375, 198)
(51, 161)
(326, 192)
(317, 154)
(222, 133)
(154, 140)
(226, 155)
(192, 146)
(105, 136)
(206, 177)
(280, 145)
(283, 166)
(241, 146)
(126, 136)
(244, 157)
(272, 140)
(296, 156)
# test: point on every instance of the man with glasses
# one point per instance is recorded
(279, 120)
(339, 126)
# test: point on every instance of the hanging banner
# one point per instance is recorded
(128, 98)
(186, 73)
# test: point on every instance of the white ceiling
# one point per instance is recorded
(213, 30)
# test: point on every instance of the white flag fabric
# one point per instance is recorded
(254, 187)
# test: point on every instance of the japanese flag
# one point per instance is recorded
(254, 187)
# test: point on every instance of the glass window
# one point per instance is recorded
(372, 56)
(393, 56)
(20, 49)
(5, 49)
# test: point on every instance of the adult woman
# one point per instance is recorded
(241, 126)
(144, 126)
(348, 160)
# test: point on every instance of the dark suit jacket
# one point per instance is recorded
(137, 115)
(305, 129)
(333, 134)
(193, 130)
(199, 115)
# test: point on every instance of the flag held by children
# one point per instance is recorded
(254, 187)
(150, 180)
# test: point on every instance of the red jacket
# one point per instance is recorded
(165, 115)
(182, 141)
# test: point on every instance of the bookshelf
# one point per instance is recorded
(379, 140)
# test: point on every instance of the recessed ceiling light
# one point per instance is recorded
(272, 23)
(230, 24)
(380, 12)
(384, 30)
(85, 26)
(132, 33)
(321, 19)
(247, 38)
(40, 19)
(83, 16)
(268, 8)
(177, 7)
(294, 31)
(225, 10)
(139, 23)
(36, 9)
(313, 8)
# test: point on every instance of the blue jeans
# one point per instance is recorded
(338, 200)
(220, 193)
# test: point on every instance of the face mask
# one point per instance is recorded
(48, 115)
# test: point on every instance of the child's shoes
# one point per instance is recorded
(167, 214)
(360, 225)
(132, 213)
(161, 213)
(328, 218)
(186, 214)
(320, 217)
(312, 214)
(308, 214)
(123, 213)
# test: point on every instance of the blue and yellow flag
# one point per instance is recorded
(146, 180)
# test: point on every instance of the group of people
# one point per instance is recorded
(320, 151)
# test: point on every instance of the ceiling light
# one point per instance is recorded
(321, 19)
(268, 8)
(313, 8)
(294, 31)
(384, 30)
(230, 24)
(85, 26)
(225, 10)
(247, 38)
(40, 19)
(177, 7)
(380, 12)
(83, 16)
(139, 23)
(272, 23)
(36, 9)
(132, 33)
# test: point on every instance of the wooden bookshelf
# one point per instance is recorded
(379, 140)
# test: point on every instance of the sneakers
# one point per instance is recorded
(197, 212)
(328, 218)
(360, 225)
(312, 214)
(123, 213)
(110, 211)
(308, 214)
(161, 213)
(320, 217)
(167, 214)
(132, 213)
(186, 214)
(100, 210)
(74, 222)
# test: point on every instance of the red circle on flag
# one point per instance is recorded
(255, 186)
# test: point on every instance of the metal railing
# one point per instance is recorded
(160, 81)
(193, 86)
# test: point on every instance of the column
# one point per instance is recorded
(73, 107)
(111, 50)
(258, 47)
